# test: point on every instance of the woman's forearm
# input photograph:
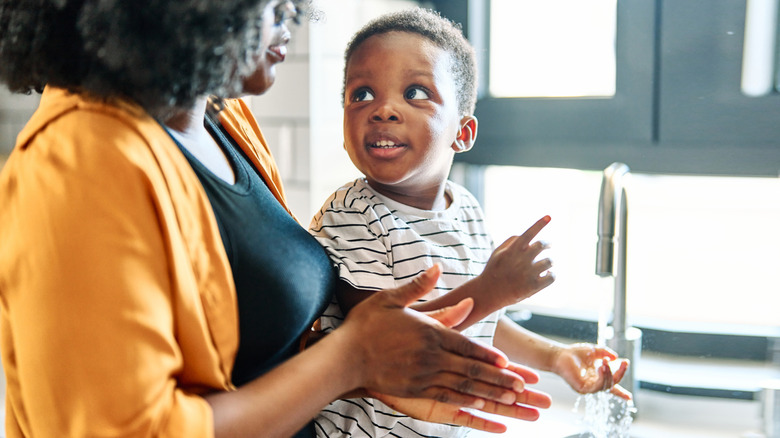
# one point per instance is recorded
(284, 400)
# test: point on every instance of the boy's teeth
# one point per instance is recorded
(385, 143)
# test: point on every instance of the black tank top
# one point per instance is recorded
(283, 277)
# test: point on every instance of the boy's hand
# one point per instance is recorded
(586, 368)
(513, 271)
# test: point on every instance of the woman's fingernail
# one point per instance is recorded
(508, 398)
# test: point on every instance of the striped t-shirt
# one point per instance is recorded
(378, 243)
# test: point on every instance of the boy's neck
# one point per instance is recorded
(432, 198)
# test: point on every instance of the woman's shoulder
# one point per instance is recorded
(91, 140)
(79, 118)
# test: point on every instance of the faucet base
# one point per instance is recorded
(627, 346)
(770, 399)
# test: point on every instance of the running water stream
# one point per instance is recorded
(604, 415)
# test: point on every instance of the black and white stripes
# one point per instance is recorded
(378, 243)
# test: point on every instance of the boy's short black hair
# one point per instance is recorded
(159, 54)
(439, 30)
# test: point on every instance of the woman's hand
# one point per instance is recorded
(401, 352)
(586, 368)
(525, 407)
(437, 412)
(512, 273)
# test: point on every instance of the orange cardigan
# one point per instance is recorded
(118, 305)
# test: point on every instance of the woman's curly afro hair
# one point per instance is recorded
(439, 30)
(158, 53)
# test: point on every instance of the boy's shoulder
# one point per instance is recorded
(354, 195)
(353, 203)
(462, 194)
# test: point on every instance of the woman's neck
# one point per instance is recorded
(189, 121)
(188, 128)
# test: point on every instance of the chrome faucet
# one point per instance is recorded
(612, 226)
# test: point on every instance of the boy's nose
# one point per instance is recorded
(386, 112)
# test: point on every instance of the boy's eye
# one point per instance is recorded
(362, 95)
(416, 94)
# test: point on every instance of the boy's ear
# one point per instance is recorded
(467, 134)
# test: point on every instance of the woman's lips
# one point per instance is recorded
(278, 53)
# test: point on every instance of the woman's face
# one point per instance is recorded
(274, 39)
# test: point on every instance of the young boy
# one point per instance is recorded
(409, 97)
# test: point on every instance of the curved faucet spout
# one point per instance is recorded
(612, 190)
(612, 226)
(613, 210)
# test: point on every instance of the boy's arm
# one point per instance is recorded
(524, 346)
(349, 296)
(585, 367)
(512, 274)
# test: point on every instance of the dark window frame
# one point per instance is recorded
(677, 109)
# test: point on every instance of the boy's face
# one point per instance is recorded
(400, 113)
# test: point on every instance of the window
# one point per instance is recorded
(554, 48)
(759, 63)
(702, 251)
(678, 116)
(678, 104)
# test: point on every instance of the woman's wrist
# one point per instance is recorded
(348, 344)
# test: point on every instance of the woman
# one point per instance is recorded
(119, 307)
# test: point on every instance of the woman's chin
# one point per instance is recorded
(259, 82)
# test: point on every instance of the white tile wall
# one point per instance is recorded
(289, 95)
(15, 110)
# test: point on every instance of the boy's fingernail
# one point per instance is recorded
(519, 386)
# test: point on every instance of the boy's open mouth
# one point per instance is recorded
(386, 144)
